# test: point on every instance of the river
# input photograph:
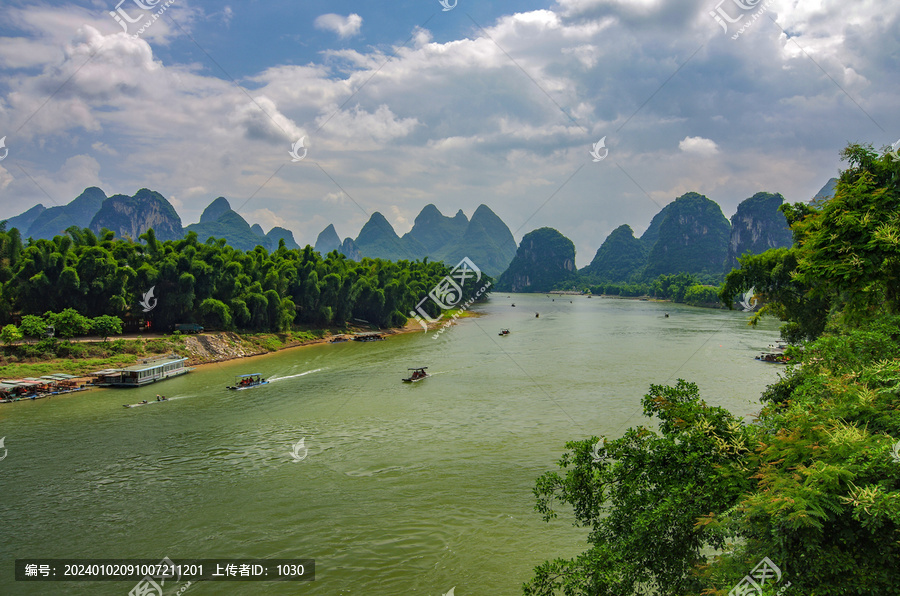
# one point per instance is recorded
(402, 488)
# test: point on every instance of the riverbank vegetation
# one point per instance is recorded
(211, 284)
(807, 494)
(680, 287)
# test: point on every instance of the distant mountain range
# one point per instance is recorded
(690, 235)
(129, 217)
(485, 239)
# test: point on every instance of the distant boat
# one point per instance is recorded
(667, 315)
(417, 375)
(242, 382)
(368, 337)
(537, 314)
(778, 358)
(504, 332)
(339, 339)
(147, 403)
(514, 304)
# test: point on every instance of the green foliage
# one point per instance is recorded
(845, 261)
(69, 323)
(697, 295)
(33, 326)
(619, 257)
(642, 496)
(813, 483)
(545, 260)
(10, 334)
(209, 282)
(693, 237)
(758, 225)
(850, 249)
(106, 325)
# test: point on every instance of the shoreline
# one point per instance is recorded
(199, 364)
(303, 344)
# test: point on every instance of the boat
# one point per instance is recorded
(339, 339)
(514, 305)
(159, 400)
(146, 371)
(368, 337)
(504, 332)
(417, 375)
(537, 315)
(242, 382)
(778, 358)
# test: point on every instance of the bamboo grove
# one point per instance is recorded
(208, 282)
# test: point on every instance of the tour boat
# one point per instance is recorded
(417, 375)
(248, 382)
(778, 358)
(504, 332)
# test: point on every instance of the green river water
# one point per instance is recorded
(405, 488)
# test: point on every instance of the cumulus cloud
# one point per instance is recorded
(505, 115)
(344, 26)
(698, 145)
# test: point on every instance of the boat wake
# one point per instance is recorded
(303, 374)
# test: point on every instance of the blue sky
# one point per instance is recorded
(405, 104)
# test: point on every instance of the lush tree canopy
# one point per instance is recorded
(694, 500)
(208, 283)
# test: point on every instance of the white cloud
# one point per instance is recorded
(344, 26)
(698, 145)
(455, 122)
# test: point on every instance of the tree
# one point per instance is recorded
(10, 334)
(851, 248)
(106, 325)
(697, 295)
(641, 495)
(215, 314)
(33, 326)
(69, 323)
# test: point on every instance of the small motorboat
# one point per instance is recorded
(667, 315)
(250, 381)
(537, 315)
(159, 400)
(778, 358)
(417, 375)
(504, 332)
(513, 304)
